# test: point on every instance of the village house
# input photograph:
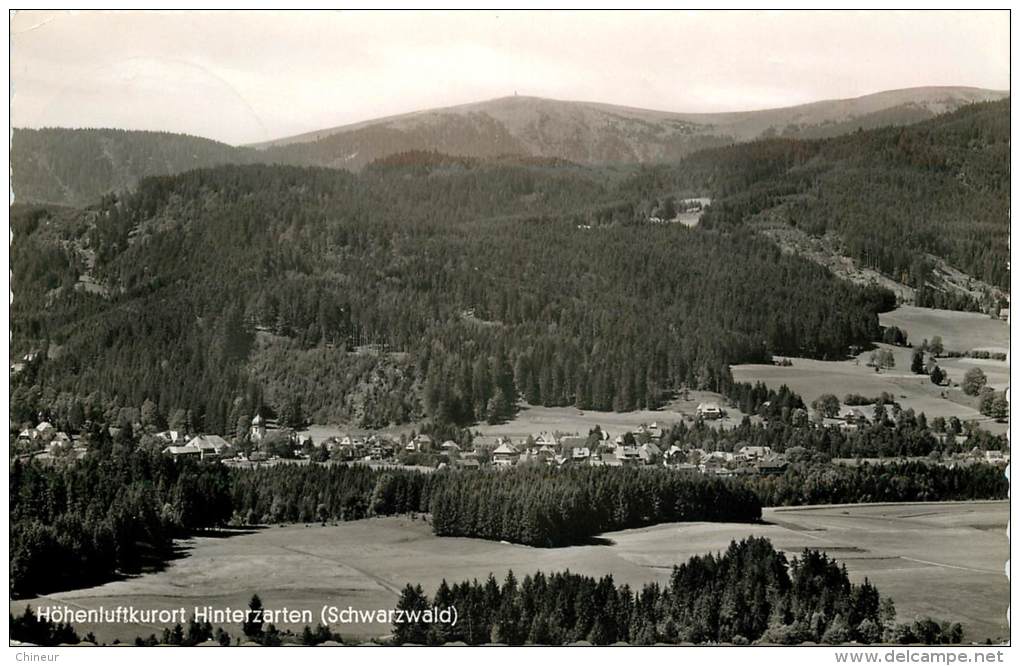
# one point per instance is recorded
(772, 467)
(650, 453)
(570, 442)
(996, 457)
(505, 455)
(629, 455)
(420, 443)
(674, 455)
(185, 451)
(45, 429)
(380, 448)
(755, 452)
(611, 460)
(169, 436)
(653, 431)
(210, 447)
(545, 440)
(580, 454)
(710, 410)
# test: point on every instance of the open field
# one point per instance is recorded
(942, 559)
(532, 420)
(535, 419)
(811, 378)
(960, 331)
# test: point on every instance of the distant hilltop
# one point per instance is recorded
(47, 163)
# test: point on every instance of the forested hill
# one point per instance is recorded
(77, 166)
(442, 288)
(890, 196)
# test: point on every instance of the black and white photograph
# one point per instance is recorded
(510, 327)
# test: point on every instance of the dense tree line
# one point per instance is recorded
(117, 510)
(900, 434)
(749, 593)
(540, 506)
(465, 288)
(308, 493)
(805, 483)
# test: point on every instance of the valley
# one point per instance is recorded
(940, 559)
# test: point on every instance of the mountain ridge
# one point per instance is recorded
(869, 103)
(48, 163)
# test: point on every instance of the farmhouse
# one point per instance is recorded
(209, 446)
(710, 410)
(853, 415)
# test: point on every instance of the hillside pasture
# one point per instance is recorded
(960, 331)
(811, 378)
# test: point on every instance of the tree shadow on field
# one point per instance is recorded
(597, 541)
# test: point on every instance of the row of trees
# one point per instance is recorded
(749, 593)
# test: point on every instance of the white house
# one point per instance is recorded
(710, 410)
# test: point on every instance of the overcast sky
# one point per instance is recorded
(245, 77)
